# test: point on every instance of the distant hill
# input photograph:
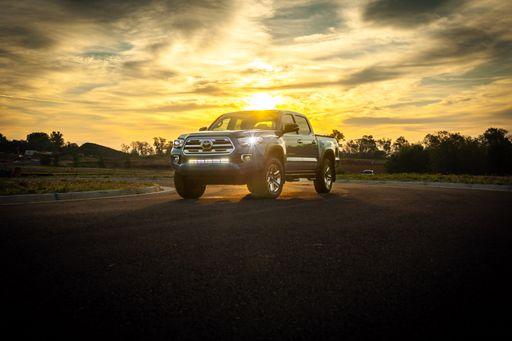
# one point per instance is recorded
(93, 149)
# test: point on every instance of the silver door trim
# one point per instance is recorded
(301, 159)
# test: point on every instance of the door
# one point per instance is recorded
(307, 149)
(290, 140)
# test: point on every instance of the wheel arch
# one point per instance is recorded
(277, 152)
(329, 153)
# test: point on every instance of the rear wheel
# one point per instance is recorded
(188, 189)
(325, 176)
(269, 182)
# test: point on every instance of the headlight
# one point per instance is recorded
(250, 141)
(178, 143)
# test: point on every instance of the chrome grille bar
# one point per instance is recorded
(218, 146)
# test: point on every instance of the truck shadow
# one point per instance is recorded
(250, 198)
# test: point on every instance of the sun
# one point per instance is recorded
(262, 101)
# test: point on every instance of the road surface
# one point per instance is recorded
(364, 261)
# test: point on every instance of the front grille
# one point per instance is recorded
(212, 146)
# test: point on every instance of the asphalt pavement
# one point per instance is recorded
(366, 261)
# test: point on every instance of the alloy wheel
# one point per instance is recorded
(274, 178)
(328, 176)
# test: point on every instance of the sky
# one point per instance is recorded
(117, 71)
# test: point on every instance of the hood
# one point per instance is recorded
(229, 133)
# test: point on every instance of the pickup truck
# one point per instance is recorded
(261, 148)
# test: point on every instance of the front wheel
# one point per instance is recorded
(325, 176)
(269, 182)
(188, 189)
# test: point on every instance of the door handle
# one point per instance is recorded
(299, 141)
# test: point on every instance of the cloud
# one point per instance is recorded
(407, 13)
(370, 75)
(492, 49)
(84, 88)
(505, 114)
(367, 75)
(366, 121)
(25, 37)
(296, 20)
(412, 104)
(454, 43)
(181, 107)
(146, 69)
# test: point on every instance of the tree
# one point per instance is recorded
(351, 148)
(141, 148)
(74, 150)
(125, 148)
(168, 147)
(367, 147)
(4, 143)
(57, 140)
(498, 150)
(385, 145)
(134, 146)
(399, 143)
(39, 141)
(159, 143)
(409, 158)
(454, 153)
(71, 148)
(338, 135)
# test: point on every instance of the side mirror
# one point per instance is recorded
(203, 128)
(290, 128)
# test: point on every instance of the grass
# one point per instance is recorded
(38, 185)
(453, 178)
(94, 172)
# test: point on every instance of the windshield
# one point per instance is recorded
(246, 121)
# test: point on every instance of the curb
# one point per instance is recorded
(70, 196)
(447, 185)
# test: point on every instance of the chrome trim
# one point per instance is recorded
(219, 142)
(301, 159)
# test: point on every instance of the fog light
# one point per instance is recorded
(246, 157)
(176, 159)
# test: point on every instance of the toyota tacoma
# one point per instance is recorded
(261, 148)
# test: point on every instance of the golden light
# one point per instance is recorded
(262, 101)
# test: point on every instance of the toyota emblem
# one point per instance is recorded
(207, 144)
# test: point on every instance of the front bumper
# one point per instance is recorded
(217, 169)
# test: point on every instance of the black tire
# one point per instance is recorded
(188, 189)
(325, 176)
(249, 187)
(269, 182)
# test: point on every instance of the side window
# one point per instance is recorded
(287, 118)
(304, 128)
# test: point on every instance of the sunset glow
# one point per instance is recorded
(119, 71)
(262, 102)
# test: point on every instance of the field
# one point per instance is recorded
(358, 165)
(47, 179)
(94, 172)
(39, 185)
